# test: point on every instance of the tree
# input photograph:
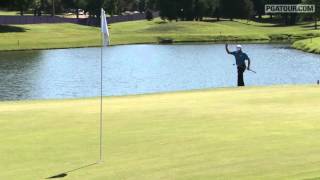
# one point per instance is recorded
(236, 9)
(214, 5)
(168, 9)
(151, 4)
(316, 15)
(94, 7)
(6, 4)
(247, 9)
(149, 15)
(228, 8)
(292, 18)
(217, 13)
(288, 18)
(111, 7)
(74, 4)
(142, 5)
(127, 5)
(259, 7)
(211, 5)
(36, 5)
(185, 9)
(200, 7)
(22, 5)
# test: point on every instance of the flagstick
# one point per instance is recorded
(104, 34)
(101, 98)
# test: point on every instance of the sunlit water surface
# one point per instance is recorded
(140, 69)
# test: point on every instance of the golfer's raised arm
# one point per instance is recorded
(227, 49)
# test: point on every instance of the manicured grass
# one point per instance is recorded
(46, 36)
(9, 13)
(240, 30)
(246, 133)
(308, 45)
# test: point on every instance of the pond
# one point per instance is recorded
(140, 69)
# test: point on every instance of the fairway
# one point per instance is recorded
(208, 31)
(241, 133)
(48, 36)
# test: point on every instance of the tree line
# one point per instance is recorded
(184, 10)
(92, 7)
(230, 9)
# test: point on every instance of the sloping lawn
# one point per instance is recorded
(246, 133)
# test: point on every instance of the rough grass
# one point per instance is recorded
(246, 133)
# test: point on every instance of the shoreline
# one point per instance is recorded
(217, 89)
(298, 44)
(157, 43)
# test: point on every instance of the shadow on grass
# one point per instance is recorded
(274, 20)
(11, 29)
(310, 26)
(275, 25)
(303, 25)
(214, 20)
(248, 22)
(161, 22)
(64, 174)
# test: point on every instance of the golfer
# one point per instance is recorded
(241, 58)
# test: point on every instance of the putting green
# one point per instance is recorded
(246, 133)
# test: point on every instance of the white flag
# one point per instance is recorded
(104, 29)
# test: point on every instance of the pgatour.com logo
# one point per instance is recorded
(290, 8)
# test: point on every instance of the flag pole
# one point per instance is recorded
(105, 41)
(101, 98)
(101, 88)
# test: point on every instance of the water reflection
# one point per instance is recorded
(18, 73)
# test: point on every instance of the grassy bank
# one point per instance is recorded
(308, 45)
(222, 31)
(46, 36)
(249, 133)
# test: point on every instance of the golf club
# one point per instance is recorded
(252, 71)
(249, 70)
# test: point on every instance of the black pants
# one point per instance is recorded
(241, 70)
